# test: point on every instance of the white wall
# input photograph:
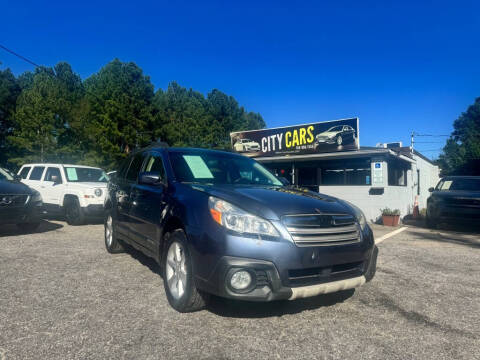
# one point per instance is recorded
(394, 197)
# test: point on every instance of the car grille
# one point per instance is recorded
(322, 229)
(10, 201)
(311, 276)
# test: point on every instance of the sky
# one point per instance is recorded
(399, 66)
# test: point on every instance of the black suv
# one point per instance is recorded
(19, 204)
(220, 223)
(454, 199)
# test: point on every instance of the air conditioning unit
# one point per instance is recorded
(390, 145)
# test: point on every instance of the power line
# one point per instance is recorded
(430, 135)
(19, 56)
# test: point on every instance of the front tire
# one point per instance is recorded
(178, 278)
(112, 244)
(74, 213)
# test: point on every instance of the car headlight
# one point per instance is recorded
(36, 196)
(362, 221)
(98, 192)
(238, 220)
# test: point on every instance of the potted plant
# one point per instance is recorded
(390, 217)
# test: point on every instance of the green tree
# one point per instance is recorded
(118, 113)
(186, 118)
(9, 91)
(44, 114)
(461, 154)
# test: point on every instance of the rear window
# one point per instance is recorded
(37, 173)
(24, 173)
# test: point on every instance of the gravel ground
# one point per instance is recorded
(63, 297)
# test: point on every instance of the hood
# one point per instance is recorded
(328, 133)
(272, 202)
(14, 187)
(89, 185)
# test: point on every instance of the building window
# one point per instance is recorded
(397, 173)
(346, 172)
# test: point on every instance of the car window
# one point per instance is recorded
(5, 175)
(53, 171)
(219, 168)
(134, 169)
(81, 174)
(37, 173)
(155, 164)
(24, 173)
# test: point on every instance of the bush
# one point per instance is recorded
(389, 212)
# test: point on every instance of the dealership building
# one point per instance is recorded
(327, 157)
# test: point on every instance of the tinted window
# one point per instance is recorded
(155, 164)
(5, 175)
(53, 171)
(37, 173)
(134, 168)
(123, 168)
(24, 172)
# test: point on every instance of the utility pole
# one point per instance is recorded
(412, 141)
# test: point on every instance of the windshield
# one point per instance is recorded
(79, 174)
(459, 184)
(5, 175)
(219, 168)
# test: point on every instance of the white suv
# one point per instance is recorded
(74, 190)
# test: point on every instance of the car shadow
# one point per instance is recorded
(249, 309)
(14, 230)
(143, 259)
(460, 227)
(450, 237)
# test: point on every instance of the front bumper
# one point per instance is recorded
(29, 213)
(326, 141)
(282, 271)
(94, 210)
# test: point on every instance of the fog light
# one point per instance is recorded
(241, 280)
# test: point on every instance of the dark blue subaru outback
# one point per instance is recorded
(220, 223)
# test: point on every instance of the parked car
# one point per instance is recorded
(243, 145)
(455, 198)
(220, 223)
(19, 204)
(78, 192)
(341, 134)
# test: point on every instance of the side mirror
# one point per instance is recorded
(284, 180)
(56, 179)
(431, 189)
(17, 177)
(149, 178)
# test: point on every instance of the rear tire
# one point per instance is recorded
(430, 222)
(112, 244)
(339, 140)
(73, 212)
(178, 278)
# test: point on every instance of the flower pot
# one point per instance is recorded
(390, 220)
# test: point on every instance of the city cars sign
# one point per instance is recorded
(327, 136)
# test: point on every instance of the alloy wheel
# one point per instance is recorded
(109, 230)
(176, 271)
